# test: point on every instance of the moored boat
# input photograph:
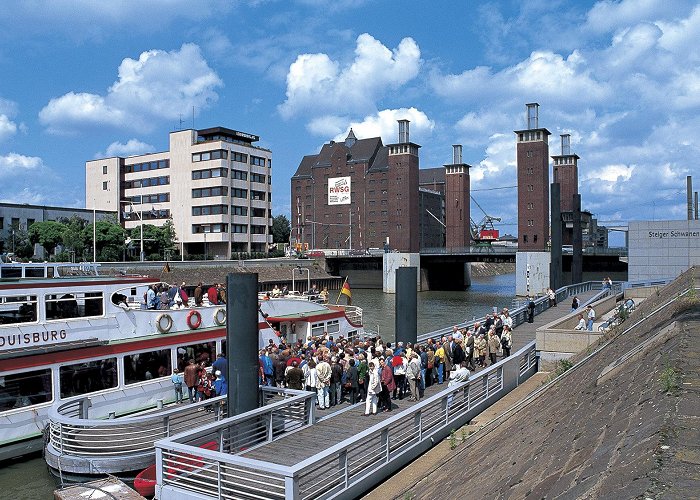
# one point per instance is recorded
(67, 333)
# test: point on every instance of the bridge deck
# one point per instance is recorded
(344, 421)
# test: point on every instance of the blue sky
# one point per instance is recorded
(82, 79)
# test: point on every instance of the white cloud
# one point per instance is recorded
(130, 148)
(611, 173)
(316, 84)
(7, 127)
(609, 15)
(11, 163)
(384, 125)
(159, 85)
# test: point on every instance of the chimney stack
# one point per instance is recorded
(689, 182)
(533, 111)
(565, 144)
(403, 132)
(456, 154)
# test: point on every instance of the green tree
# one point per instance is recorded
(74, 236)
(156, 240)
(48, 234)
(110, 239)
(281, 229)
(17, 242)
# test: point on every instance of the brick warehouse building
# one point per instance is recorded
(383, 202)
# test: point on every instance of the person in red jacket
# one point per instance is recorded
(212, 294)
(388, 385)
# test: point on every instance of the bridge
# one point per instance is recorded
(444, 268)
(289, 450)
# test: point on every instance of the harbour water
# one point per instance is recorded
(29, 479)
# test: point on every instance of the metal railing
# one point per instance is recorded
(211, 462)
(72, 432)
(519, 314)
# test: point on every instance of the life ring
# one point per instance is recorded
(220, 316)
(194, 319)
(164, 323)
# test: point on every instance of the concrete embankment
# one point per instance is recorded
(583, 435)
(480, 269)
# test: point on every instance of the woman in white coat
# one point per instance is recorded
(373, 389)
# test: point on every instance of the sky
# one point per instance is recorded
(81, 80)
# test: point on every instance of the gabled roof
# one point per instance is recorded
(370, 151)
(434, 175)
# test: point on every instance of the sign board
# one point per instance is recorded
(339, 191)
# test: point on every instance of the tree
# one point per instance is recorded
(17, 242)
(156, 240)
(110, 240)
(49, 234)
(74, 236)
(281, 229)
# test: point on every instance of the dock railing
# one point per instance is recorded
(210, 462)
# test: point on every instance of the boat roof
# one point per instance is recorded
(72, 281)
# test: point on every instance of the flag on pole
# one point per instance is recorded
(346, 291)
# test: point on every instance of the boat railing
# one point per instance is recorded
(73, 432)
(186, 470)
(353, 313)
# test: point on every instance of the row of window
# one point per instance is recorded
(209, 173)
(143, 167)
(222, 154)
(148, 198)
(235, 210)
(24, 308)
(568, 160)
(35, 387)
(209, 228)
(530, 136)
(148, 182)
(210, 191)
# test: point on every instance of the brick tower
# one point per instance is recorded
(457, 190)
(566, 173)
(403, 178)
(533, 183)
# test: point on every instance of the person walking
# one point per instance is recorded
(531, 310)
(388, 384)
(590, 316)
(494, 345)
(575, 304)
(506, 341)
(323, 382)
(190, 377)
(413, 375)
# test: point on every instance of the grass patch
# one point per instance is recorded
(562, 366)
(670, 379)
(453, 439)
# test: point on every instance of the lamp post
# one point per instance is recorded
(308, 276)
(140, 216)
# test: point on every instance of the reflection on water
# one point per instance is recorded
(437, 309)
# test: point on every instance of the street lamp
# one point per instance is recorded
(308, 276)
(140, 215)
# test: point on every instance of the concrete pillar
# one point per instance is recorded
(406, 305)
(467, 274)
(577, 259)
(391, 262)
(242, 342)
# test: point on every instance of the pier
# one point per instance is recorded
(290, 450)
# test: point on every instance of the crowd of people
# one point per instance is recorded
(378, 373)
(164, 296)
(200, 382)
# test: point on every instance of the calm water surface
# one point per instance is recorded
(30, 479)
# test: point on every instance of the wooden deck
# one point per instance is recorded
(343, 421)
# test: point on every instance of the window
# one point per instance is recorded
(17, 309)
(239, 193)
(25, 389)
(529, 154)
(30, 222)
(333, 327)
(88, 376)
(258, 195)
(148, 181)
(209, 173)
(236, 210)
(210, 210)
(146, 366)
(149, 165)
(197, 353)
(240, 157)
(148, 198)
(74, 305)
(534, 239)
(239, 175)
(257, 229)
(257, 160)
(210, 191)
(317, 329)
(239, 228)
(257, 178)
(209, 228)
(258, 212)
(104, 186)
(524, 238)
(217, 154)
(104, 169)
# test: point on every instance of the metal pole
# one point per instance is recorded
(94, 232)
(242, 345)
(350, 224)
(406, 305)
(141, 228)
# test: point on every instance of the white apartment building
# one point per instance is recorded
(214, 183)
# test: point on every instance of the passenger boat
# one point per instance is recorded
(66, 333)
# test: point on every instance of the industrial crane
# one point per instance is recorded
(484, 232)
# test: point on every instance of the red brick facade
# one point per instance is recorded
(533, 189)
(457, 202)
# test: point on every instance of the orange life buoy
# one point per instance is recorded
(194, 319)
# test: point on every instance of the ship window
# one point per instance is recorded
(17, 309)
(205, 352)
(317, 329)
(146, 366)
(74, 305)
(333, 327)
(89, 376)
(25, 389)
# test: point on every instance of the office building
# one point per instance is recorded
(215, 185)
